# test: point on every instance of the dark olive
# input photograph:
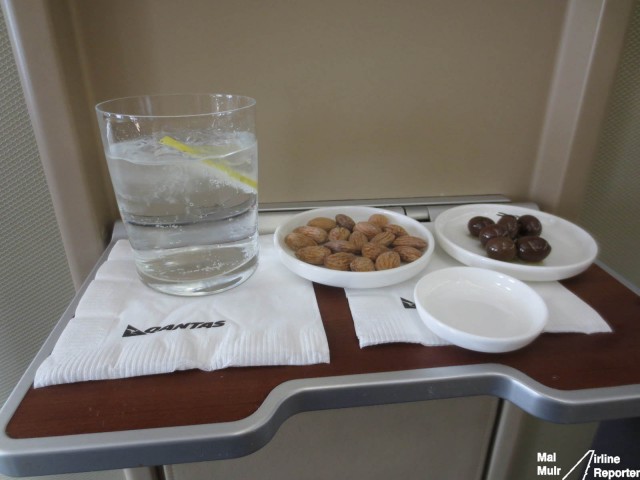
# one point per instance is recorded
(510, 222)
(533, 248)
(491, 231)
(501, 248)
(478, 223)
(529, 225)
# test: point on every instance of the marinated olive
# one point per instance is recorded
(491, 231)
(533, 248)
(529, 225)
(478, 223)
(511, 237)
(510, 222)
(501, 248)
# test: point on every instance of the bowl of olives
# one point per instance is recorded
(528, 244)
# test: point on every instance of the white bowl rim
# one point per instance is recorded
(348, 279)
(520, 271)
(535, 330)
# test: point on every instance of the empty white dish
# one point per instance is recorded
(480, 309)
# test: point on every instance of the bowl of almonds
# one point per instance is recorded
(354, 247)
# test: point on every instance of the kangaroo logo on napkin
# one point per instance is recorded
(407, 303)
(271, 319)
(131, 331)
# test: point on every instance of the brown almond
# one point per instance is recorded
(313, 255)
(410, 241)
(339, 261)
(368, 228)
(316, 233)
(408, 254)
(397, 230)
(379, 219)
(339, 233)
(384, 238)
(373, 250)
(358, 239)
(362, 264)
(296, 241)
(341, 246)
(322, 222)
(345, 221)
(388, 260)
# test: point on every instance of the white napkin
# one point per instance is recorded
(122, 328)
(388, 315)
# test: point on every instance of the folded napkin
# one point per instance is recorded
(388, 315)
(122, 328)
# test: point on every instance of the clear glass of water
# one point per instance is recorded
(184, 169)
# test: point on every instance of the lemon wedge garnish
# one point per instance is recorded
(209, 151)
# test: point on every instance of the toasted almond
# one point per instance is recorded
(316, 233)
(322, 222)
(296, 241)
(314, 255)
(379, 219)
(339, 261)
(345, 221)
(408, 254)
(373, 250)
(410, 241)
(339, 233)
(384, 238)
(368, 228)
(358, 239)
(388, 260)
(397, 230)
(362, 264)
(341, 246)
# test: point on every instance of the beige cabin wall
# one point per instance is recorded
(356, 99)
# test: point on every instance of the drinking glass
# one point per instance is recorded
(184, 169)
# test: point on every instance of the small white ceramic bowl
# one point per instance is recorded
(480, 309)
(335, 278)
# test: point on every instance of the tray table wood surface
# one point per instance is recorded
(564, 378)
(560, 361)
